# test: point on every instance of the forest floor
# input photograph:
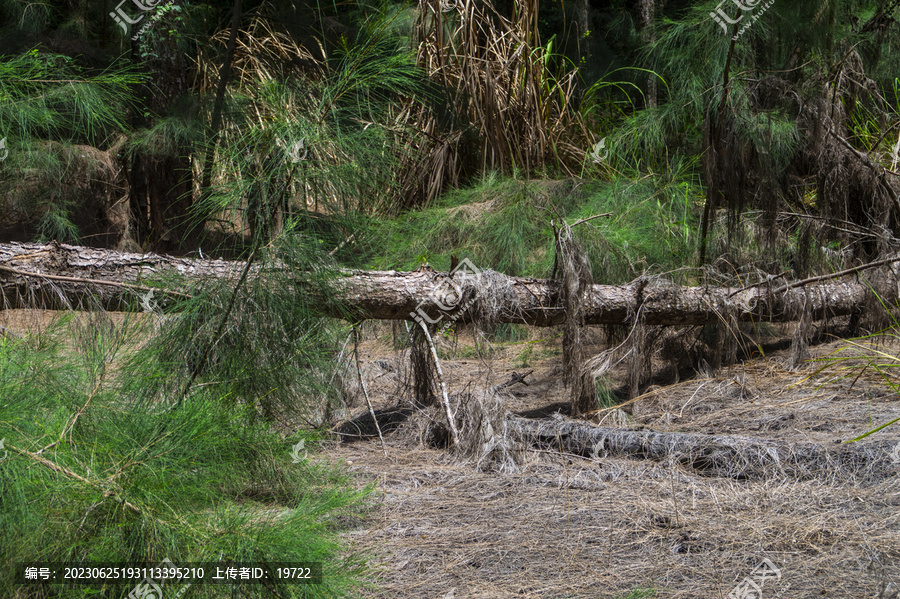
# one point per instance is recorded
(567, 526)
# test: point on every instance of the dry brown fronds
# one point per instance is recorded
(507, 108)
(259, 47)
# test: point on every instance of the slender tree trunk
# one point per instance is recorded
(216, 121)
(583, 24)
(712, 132)
(644, 13)
(161, 185)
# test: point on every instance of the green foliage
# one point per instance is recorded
(168, 136)
(49, 108)
(498, 224)
(326, 142)
(523, 360)
(163, 27)
(56, 224)
(504, 224)
(506, 332)
(639, 594)
(29, 16)
(606, 397)
(272, 355)
(48, 96)
(116, 458)
(137, 481)
(608, 100)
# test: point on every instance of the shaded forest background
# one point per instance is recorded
(206, 125)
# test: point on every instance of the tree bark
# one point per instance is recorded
(644, 13)
(57, 276)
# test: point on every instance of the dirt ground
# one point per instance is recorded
(566, 526)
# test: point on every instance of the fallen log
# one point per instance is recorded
(741, 458)
(58, 276)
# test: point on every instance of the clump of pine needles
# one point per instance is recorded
(106, 464)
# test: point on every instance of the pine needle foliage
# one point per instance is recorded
(159, 438)
(257, 344)
(48, 96)
(95, 473)
(743, 103)
(58, 121)
(322, 138)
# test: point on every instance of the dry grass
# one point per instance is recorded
(569, 526)
(503, 84)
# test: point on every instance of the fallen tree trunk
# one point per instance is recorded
(57, 276)
(716, 455)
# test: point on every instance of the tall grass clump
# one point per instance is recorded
(510, 99)
(504, 224)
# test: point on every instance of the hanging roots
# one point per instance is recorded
(575, 275)
(485, 436)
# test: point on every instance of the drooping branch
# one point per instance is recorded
(108, 488)
(390, 295)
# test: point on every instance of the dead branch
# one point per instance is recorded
(443, 386)
(362, 385)
(715, 455)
